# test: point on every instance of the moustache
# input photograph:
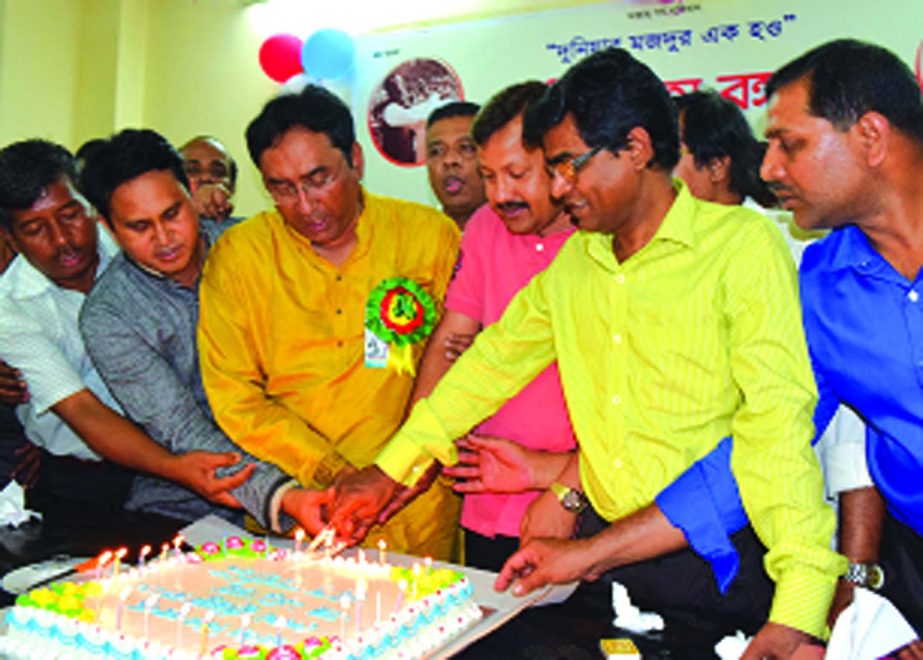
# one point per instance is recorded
(66, 252)
(776, 187)
(510, 206)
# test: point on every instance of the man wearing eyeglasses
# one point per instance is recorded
(314, 314)
(675, 323)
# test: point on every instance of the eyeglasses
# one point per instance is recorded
(287, 192)
(568, 168)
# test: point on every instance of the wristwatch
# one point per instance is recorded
(865, 575)
(572, 499)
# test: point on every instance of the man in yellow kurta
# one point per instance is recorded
(296, 371)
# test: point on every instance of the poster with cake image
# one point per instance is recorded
(401, 102)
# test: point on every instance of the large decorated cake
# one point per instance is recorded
(243, 599)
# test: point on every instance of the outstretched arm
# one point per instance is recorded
(114, 437)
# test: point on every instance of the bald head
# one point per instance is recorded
(207, 160)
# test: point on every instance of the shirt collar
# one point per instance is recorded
(853, 250)
(676, 226)
(27, 281)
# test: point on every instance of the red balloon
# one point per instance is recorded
(280, 56)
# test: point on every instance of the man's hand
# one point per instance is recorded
(913, 651)
(13, 389)
(545, 561)
(406, 495)
(842, 597)
(196, 470)
(456, 344)
(28, 464)
(546, 518)
(491, 465)
(775, 642)
(360, 498)
(212, 200)
(308, 507)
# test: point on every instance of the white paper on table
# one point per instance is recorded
(628, 617)
(13, 511)
(732, 647)
(870, 627)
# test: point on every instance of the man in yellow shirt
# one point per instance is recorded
(675, 323)
(314, 314)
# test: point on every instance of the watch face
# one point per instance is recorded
(573, 501)
(876, 577)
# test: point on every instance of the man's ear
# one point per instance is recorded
(719, 169)
(873, 133)
(640, 148)
(358, 162)
(7, 237)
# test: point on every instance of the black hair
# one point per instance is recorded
(713, 127)
(609, 93)
(848, 78)
(27, 168)
(452, 109)
(123, 157)
(503, 107)
(315, 109)
(232, 169)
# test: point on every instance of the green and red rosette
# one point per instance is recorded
(400, 313)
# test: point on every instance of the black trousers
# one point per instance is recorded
(488, 553)
(69, 487)
(901, 558)
(682, 588)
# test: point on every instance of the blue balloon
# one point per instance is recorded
(328, 54)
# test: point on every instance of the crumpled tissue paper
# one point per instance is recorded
(628, 617)
(13, 510)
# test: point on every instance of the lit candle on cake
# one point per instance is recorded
(118, 615)
(280, 626)
(206, 623)
(244, 624)
(181, 617)
(428, 564)
(401, 590)
(149, 604)
(361, 591)
(117, 564)
(177, 542)
(145, 551)
(344, 606)
(416, 580)
(164, 549)
(382, 547)
(299, 537)
(101, 562)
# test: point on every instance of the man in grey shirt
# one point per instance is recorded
(139, 325)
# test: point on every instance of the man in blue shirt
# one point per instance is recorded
(845, 131)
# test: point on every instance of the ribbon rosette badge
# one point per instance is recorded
(399, 313)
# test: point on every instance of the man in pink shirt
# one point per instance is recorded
(506, 242)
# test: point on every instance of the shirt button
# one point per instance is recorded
(616, 400)
(620, 278)
(539, 247)
(340, 343)
(617, 338)
(339, 278)
(339, 311)
(617, 463)
(913, 296)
